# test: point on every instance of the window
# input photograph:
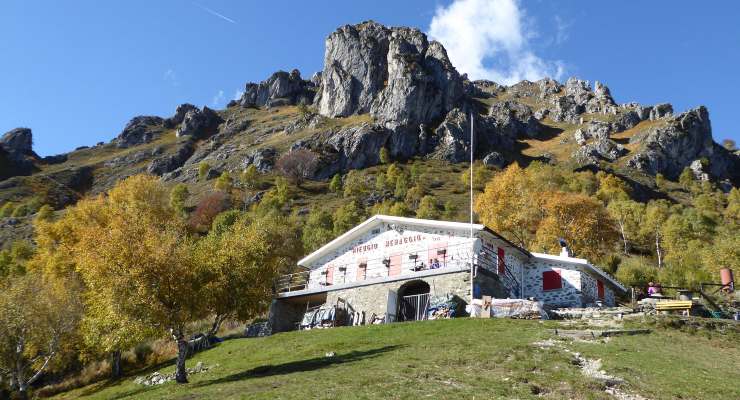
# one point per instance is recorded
(551, 280)
(501, 261)
(600, 289)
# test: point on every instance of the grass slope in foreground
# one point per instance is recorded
(448, 359)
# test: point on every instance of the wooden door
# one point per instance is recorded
(600, 289)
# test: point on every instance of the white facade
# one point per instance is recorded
(387, 249)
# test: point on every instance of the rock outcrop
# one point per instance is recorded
(199, 123)
(350, 148)
(138, 130)
(395, 74)
(170, 162)
(16, 153)
(179, 116)
(685, 138)
(281, 88)
(18, 141)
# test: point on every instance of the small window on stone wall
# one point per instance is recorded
(551, 280)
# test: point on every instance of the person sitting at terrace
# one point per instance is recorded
(434, 264)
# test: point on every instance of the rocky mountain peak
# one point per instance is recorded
(17, 141)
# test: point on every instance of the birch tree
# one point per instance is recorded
(38, 317)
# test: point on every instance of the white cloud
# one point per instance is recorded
(218, 99)
(562, 27)
(487, 39)
(171, 77)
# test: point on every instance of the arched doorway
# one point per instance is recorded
(413, 301)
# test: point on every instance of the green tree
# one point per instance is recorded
(224, 221)
(241, 263)
(38, 318)
(224, 182)
(450, 211)
(335, 185)
(402, 186)
(203, 169)
(686, 179)
(392, 174)
(414, 196)
(347, 216)
(628, 215)
(178, 196)
(355, 184)
(318, 231)
(250, 177)
(384, 156)
(399, 209)
(140, 257)
(656, 214)
(428, 208)
(380, 182)
(611, 188)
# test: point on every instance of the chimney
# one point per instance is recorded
(564, 250)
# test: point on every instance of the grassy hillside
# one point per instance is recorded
(449, 359)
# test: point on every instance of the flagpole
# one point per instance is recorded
(472, 243)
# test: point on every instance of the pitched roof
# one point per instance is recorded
(377, 220)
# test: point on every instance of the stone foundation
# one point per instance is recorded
(373, 299)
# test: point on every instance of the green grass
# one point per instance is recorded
(450, 359)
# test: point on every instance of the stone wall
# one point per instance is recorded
(489, 284)
(567, 296)
(285, 314)
(589, 289)
(373, 299)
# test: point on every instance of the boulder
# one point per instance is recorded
(697, 168)
(138, 130)
(515, 119)
(599, 149)
(170, 162)
(282, 88)
(263, 159)
(199, 123)
(351, 148)
(494, 159)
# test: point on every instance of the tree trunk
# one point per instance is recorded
(657, 250)
(217, 321)
(181, 376)
(624, 237)
(115, 365)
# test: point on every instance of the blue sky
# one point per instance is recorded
(76, 71)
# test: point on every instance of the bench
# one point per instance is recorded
(673, 305)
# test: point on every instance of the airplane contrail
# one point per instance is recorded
(208, 10)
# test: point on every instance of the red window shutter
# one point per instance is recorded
(551, 280)
(361, 271)
(501, 261)
(600, 289)
(330, 275)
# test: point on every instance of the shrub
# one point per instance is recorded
(224, 182)
(178, 197)
(207, 209)
(384, 156)
(250, 177)
(336, 184)
(7, 209)
(203, 169)
(298, 165)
